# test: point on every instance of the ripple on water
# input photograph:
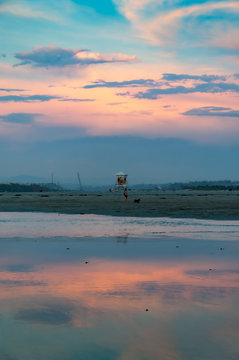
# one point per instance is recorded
(18, 224)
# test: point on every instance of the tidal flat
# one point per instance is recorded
(178, 204)
(118, 288)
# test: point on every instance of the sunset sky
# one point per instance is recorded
(150, 87)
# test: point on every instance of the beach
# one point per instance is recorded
(221, 205)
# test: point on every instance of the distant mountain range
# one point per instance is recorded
(24, 179)
(70, 185)
(203, 185)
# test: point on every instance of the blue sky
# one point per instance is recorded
(133, 75)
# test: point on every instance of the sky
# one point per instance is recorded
(149, 87)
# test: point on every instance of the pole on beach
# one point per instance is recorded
(80, 183)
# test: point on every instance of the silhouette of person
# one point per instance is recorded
(125, 194)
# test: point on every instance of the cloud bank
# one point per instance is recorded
(53, 56)
(165, 85)
(213, 111)
(19, 118)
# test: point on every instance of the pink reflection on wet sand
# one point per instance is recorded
(103, 294)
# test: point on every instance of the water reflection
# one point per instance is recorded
(17, 268)
(89, 302)
(17, 224)
(122, 239)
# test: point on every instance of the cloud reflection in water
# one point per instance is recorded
(70, 309)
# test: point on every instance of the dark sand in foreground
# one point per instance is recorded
(188, 204)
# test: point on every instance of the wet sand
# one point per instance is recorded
(178, 204)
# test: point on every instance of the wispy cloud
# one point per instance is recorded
(203, 77)
(225, 39)
(116, 103)
(151, 83)
(212, 111)
(126, 93)
(27, 98)
(77, 100)
(39, 98)
(26, 10)
(212, 88)
(53, 56)
(161, 29)
(121, 84)
(19, 118)
(11, 90)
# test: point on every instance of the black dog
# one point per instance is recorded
(137, 201)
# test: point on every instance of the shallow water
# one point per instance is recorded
(20, 224)
(78, 287)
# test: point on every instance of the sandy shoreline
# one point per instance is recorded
(188, 204)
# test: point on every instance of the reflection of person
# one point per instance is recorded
(125, 194)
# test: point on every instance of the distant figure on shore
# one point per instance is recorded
(125, 194)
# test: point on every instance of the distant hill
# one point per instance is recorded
(24, 179)
(16, 187)
(203, 185)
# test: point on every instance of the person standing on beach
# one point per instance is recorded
(125, 194)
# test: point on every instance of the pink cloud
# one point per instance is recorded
(161, 29)
(137, 117)
(25, 10)
(226, 39)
